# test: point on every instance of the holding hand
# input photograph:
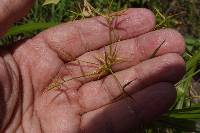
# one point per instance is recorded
(84, 104)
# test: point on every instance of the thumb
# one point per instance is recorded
(9, 90)
(11, 11)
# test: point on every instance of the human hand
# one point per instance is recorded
(83, 104)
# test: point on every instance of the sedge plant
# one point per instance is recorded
(110, 57)
(105, 63)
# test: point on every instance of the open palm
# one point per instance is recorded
(88, 104)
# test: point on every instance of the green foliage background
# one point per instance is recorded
(183, 15)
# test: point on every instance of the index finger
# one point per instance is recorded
(76, 38)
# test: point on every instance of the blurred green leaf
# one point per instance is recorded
(184, 85)
(191, 41)
(186, 119)
(185, 113)
(179, 124)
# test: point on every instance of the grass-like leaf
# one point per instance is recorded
(29, 27)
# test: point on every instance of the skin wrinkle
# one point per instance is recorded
(40, 125)
(82, 39)
(8, 88)
(22, 107)
(37, 41)
(21, 102)
(151, 20)
(58, 49)
(79, 80)
(93, 29)
(10, 96)
(135, 53)
(13, 116)
(18, 113)
(30, 109)
(107, 91)
(70, 75)
(12, 100)
(107, 87)
(49, 46)
(13, 77)
(30, 90)
(139, 48)
(2, 107)
(136, 82)
(84, 109)
(114, 28)
(32, 103)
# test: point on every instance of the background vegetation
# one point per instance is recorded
(183, 15)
